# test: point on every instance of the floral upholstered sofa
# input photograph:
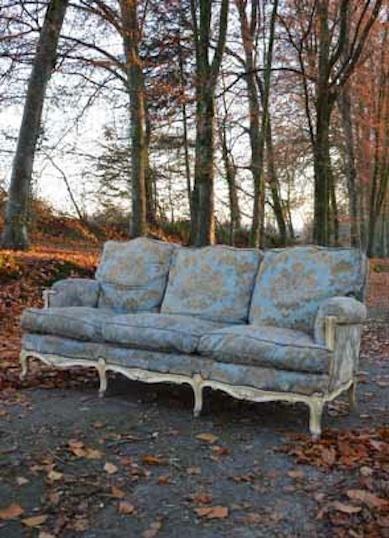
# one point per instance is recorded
(283, 324)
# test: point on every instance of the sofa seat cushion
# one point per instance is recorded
(165, 332)
(133, 274)
(179, 364)
(212, 283)
(283, 349)
(292, 283)
(81, 323)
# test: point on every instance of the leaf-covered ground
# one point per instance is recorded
(138, 464)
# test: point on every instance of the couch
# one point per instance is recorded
(282, 324)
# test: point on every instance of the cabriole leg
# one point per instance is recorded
(101, 368)
(352, 395)
(198, 394)
(23, 358)
(315, 413)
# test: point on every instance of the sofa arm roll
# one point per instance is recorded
(72, 292)
(345, 310)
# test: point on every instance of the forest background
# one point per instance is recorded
(244, 121)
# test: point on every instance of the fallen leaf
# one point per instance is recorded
(366, 471)
(54, 497)
(202, 498)
(297, 473)
(371, 500)
(193, 470)
(20, 480)
(220, 451)
(12, 511)
(54, 475)
(153, 530)
(164, 480)
(34, 521)
(383, 521)
(98, 424)
(81, 451)
(117, 493)
(80, 525)
(346, 508)
(110, 468)
(93, 454)
(328, 455)
(75, 443)
(212, 512)
(44, 534)
(149, 459)
(253, 518)
(382, 384)
(126, 508)
(207, 437)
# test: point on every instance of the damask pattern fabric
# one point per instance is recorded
(75, 292)
(82, 323)
(283, 349)
(165, 332)
(346, 309)
(180, 364)
(212, 283)
(293, 282)
(346, 354)
(133, 274)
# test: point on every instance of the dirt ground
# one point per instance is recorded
(137, 464)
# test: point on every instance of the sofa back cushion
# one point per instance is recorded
(292, 282)
(213, 283)
(133, 274)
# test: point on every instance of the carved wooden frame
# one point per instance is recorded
(315, 402)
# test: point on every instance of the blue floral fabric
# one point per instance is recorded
(133, 274)
(164, 332)
(75, 292)
(293, 282)
(213, 283)
(82, 323)
(273, 347)
(347, 310)
(181, 364)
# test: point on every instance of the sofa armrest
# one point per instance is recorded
(72, 292)
(338, 325)
(345, 310)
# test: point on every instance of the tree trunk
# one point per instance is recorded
(344, 104)
(203, 193)
(321, 152)
(207, 72)
(380, 180)
(274, 185)
(230, 171)
(185, 123)
(137, 116)
(150, 189)
(15, 233)
(321, 149)
(257, 131)
(334, 217)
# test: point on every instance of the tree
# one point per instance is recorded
(320, 42)
(259, 127)
(131, 36)
(207, 71)
(15, 233)
(230, 170)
